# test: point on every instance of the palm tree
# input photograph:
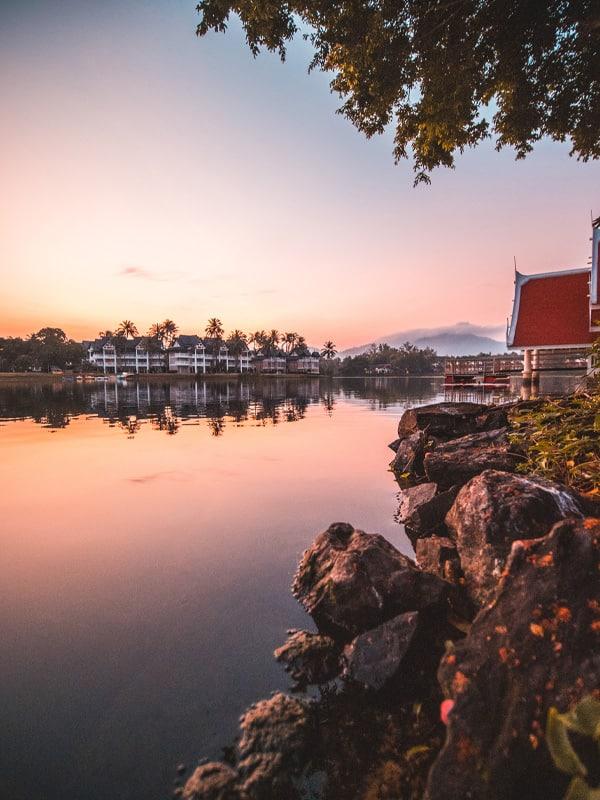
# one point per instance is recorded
(236, 341)
(236, 344)
(263, 339)
(156, 332)
(328, 350)
(127, 328)
(255, 339)
(273, 337)
(105, 334)
(214, 329)
(169, 330)
(290, 340)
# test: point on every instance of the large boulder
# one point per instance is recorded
(491, 512)
(449, 420)
(276, 737)
(456, 462)
(212, 781)
(376, 656)
(350, 581)
(423, 510)
(534, 647)
(310, 658)
(274, 751)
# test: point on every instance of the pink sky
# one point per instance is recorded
(147, 174)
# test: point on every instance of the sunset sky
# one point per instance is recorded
(149, 174)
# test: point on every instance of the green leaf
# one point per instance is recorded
(584, 717)
(579, 790)
(564, 756)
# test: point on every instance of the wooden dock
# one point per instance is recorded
(485, 372)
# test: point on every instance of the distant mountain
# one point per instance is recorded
(462, 339)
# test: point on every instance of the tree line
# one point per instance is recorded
(408, 359)
(50, 348)
(164, 334)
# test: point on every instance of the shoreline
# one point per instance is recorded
(154, 377)
(415, 664)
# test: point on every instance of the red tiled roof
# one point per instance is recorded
(551, 309)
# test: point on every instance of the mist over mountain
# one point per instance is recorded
(462, 339)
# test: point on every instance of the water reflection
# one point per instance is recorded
(146, 577)
(168, 406)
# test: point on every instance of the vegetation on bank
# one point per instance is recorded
(48, 349)
(561, 439)
(381, 359)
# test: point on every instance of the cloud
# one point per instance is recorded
(174, 475)
(142, 273)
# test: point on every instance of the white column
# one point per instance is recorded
(527, 364)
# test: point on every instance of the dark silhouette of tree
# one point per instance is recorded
(169, 329)
(329, 350)
(127, 328)
(214, 328)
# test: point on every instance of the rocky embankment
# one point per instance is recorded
(434, 677)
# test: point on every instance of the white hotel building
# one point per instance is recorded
(193, 355)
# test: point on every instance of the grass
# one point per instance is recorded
(561, 440)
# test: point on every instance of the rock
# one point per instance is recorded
(276, 735)
(444, 420)
(492, 419)
(394, 445)
(422, 511)
(454, 463)
(412, 498)
(438, 554)
(375, 657)
(409, 455)
(493, 510)
(212, 781)
(310, 658)
(535, 646)
(350, 581)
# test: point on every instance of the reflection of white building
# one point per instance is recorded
(137, 355)
(190, 354)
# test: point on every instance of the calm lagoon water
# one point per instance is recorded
(148, 538)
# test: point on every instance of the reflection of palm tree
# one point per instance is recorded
(216, 425)
(214, 329)
(328, 403)
(127, 328)
(329, 350)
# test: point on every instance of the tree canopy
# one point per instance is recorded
(446, 73)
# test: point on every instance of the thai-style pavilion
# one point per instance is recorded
(556, 315)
